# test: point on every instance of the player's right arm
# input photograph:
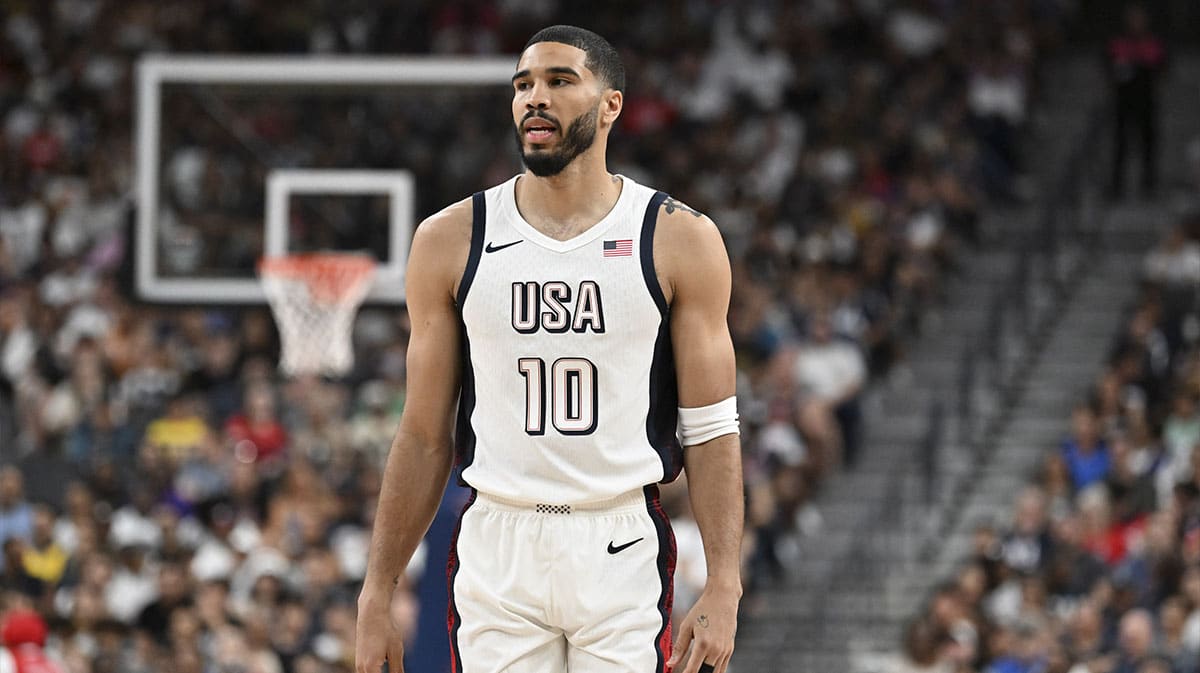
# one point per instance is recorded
(421, 454)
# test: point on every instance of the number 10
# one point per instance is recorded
(572, 395)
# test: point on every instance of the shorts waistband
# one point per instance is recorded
(628, 500)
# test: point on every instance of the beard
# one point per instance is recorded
(579, 136)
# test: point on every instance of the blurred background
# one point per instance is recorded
(966, 246)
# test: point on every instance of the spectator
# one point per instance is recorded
(44, 559)
(1136, 59)
(1130, 480)
(1175, 263)
(24, 633)
(133, 585)
(173, 594)
(1181, 433)
(1027, 547)
(1084, 451)
(1085, 635)
(830, 373)
(256, 431)
(1136, 641)
(372, 427)
(16, 515)
(180, 433)
(1171, 617)
(920, 651)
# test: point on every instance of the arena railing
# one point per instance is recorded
(1047, 265)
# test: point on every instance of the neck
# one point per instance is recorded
(563, 206)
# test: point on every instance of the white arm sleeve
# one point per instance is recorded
(700, 424)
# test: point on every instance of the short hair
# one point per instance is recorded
(602, 57)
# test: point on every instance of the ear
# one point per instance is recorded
(611, 103)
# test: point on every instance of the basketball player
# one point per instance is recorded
(577, 320)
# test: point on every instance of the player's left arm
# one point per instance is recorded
(694, 271)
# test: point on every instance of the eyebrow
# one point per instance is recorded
(554, 69)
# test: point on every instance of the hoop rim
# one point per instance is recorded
(330, 276)
(300, 263)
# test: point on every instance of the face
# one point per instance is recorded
(558, 107)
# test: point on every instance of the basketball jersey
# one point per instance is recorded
(568, 389)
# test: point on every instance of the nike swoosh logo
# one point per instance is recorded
(497, 248)
(615, 550)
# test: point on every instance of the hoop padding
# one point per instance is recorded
(314, 298)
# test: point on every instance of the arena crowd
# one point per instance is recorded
(169, 501)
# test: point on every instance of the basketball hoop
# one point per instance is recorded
(314, 298)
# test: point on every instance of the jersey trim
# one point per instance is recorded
(662, 415)
(478, 224)
(649, 222)
(663, 410)
(464, 434)
(666, 574)
(531, 233)
(453, 618)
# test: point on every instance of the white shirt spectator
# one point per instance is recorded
(213, 560)
(691, 572)
(62, 287)
(828, 370)
(782, 440)
(1176, 264)
(130, 527)
(17, 351)
(21, 228)
(128, 593)
(915, 34)
(997, 94)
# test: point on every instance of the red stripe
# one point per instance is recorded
(453, 620)
(666, 573)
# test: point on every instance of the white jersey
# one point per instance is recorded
(568, 392)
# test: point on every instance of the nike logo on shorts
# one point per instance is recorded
(612, 549)
(491, 247)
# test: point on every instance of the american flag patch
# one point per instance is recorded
(619, 248)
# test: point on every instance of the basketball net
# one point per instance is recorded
(314, 298)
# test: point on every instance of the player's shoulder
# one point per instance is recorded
(688, 250)
(449, 226)
(680, 226)
(441, 245)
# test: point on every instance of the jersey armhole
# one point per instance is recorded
(646, 252)
(478, 222)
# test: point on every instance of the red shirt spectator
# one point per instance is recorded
(24, 634)
(42, 149)
(256, 433)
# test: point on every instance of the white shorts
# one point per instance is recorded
(540, 588)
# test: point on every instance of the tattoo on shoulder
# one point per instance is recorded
(615, 179)
(671, 204)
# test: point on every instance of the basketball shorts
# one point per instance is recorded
(538, 588)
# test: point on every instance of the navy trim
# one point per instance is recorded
(662, 417)
(666, 574)
(646, 252)
(453, 618)
(464, 435)
(478, 224)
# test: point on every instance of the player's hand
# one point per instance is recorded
(375, 639)
(709, 629)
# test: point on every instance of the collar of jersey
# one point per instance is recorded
(579, 240)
